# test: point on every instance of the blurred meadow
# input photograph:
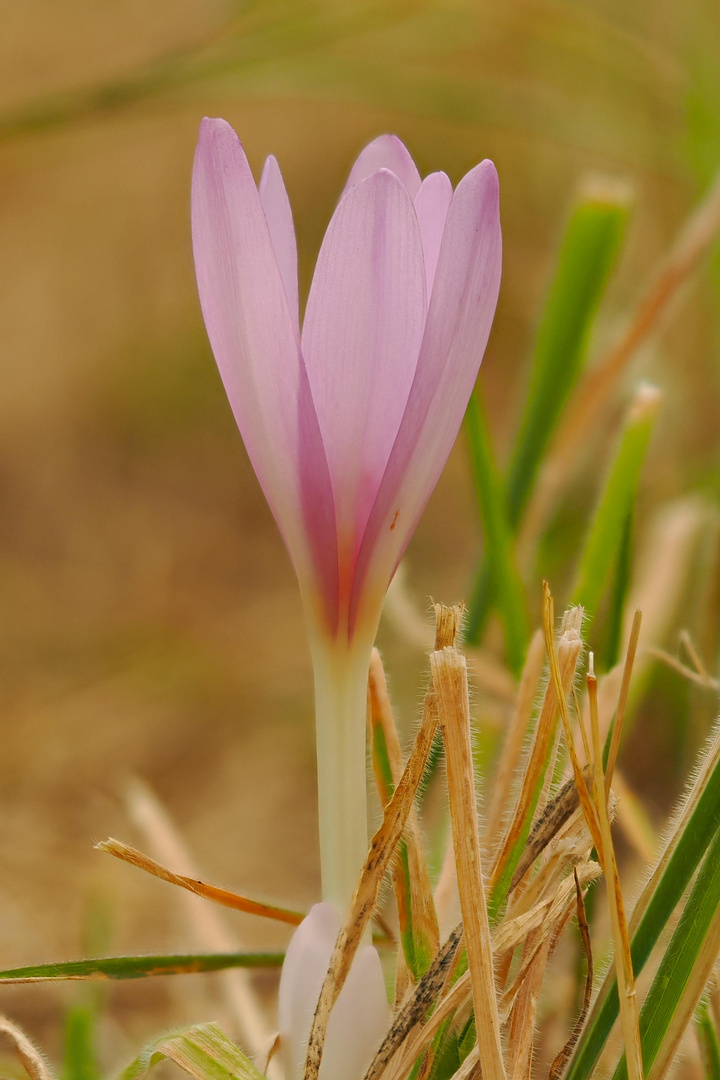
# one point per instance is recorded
(151, 623)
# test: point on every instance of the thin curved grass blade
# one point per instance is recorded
(203, 1051)
(138, 967)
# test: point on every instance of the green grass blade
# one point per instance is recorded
(694, 830)
(139, 967)
(618, 596)
(203, 1051)
(604, 540)
(588, 252)
(80, 1059)
(677, 986)
(498, 537)
(709, 1045)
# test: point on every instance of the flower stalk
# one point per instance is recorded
(341, 675)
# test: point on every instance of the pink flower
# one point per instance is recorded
(361, 1015)
(348, 423)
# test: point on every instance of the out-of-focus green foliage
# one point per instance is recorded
(498, 537)
(587, 254)
(604, 541)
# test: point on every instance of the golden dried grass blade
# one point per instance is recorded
(416, 908)
(623, 959)
(556, 678)
(412, 1013)
(449, 673)
(31, 1058)
(548, 824)
(521, 1036)
(558, 1065)
(515, 737)
(224, 897)
(569, 647)
(622, 702)
(382, 849)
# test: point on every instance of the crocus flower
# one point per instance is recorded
(348, 421)
(360, 1017)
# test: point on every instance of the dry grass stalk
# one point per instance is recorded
(420, 912)
(622, 702)
(699, 678)
(559, 1063)
(707, 761)
(515, 737)
(224, 897)
(569, 646)
(31, 1059)
(556, 679)
(623, 959)
(450, 680)
(521, 1027)
(416, 1007)
(598, 383)
(382, 849)
(547, 825)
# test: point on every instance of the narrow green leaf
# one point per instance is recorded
(694, 829)
(498, 537)
(709, 1045)
(80, 1060)
(588, 252)
(604, 540)
(696, 932)
(203, 1051)
(139, 967)
(618, 596)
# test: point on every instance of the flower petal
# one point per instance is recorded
(385, 152)
(358, 1022)
(303, 973)
(361, 1015)
(361, 339)
(257, 351)
(278, 215)
(432, 203)
(460, 315)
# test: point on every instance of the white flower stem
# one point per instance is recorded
(341, 675)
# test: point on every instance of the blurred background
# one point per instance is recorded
(150, 623)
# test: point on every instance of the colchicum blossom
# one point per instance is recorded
(361, 1015)
(349, 419)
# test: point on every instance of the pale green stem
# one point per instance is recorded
(341, 675)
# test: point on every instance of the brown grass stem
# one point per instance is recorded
(449, 673)
(622, 701)
(623, 959)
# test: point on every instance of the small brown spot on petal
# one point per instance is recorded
(394, 520)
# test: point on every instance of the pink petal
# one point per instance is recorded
(278, 215)
(361, 1015)
(361, 339)
(459, 319)
(385, 152)
(431, 206)
(358, 1022)
(256, 348)
(303, 973)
